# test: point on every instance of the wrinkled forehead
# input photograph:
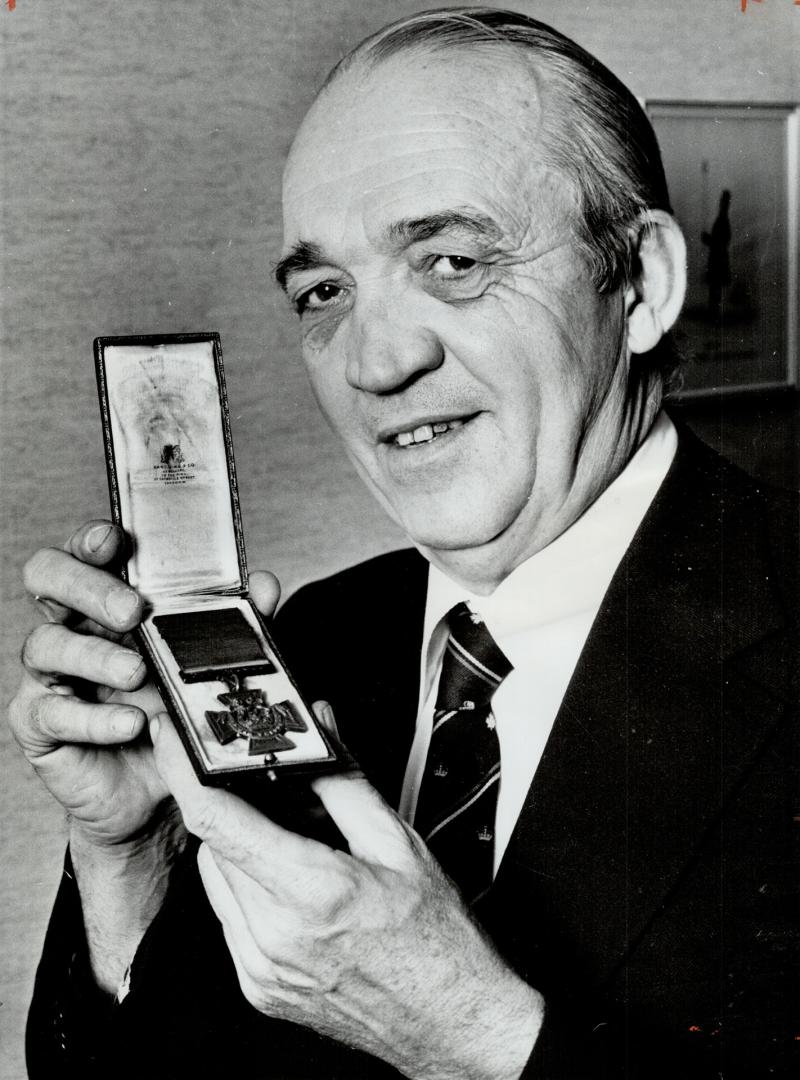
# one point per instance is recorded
(434, 124)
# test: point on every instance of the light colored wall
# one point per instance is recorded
(142, 145)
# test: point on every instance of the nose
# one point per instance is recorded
(391, 346)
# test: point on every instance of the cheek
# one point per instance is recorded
(567, 347)
(326, 388)
(335, 399)
(590, 326)
(514, 348)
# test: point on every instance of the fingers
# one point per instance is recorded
(373, 831)
(265, 591)
(75, 585)
(43, 721)
(96, 542)
(324, 714)
(70, 720)
(52, 651)
(275, 858)
(327, 721)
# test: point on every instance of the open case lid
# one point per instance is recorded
(170, 463)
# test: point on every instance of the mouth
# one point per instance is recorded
(426, 432)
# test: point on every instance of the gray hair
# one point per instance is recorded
(602, 141)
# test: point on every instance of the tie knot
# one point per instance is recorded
(473, 665)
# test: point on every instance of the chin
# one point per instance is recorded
(453, 528)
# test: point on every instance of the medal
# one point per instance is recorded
(249, 716)
(220, 645)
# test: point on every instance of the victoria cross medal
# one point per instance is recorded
(249, 716)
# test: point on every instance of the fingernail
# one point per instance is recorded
(128, 721)
(97, 536)
(121, 603)
(155, 727)
(125, 665)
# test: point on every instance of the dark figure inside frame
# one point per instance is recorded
(718, 271)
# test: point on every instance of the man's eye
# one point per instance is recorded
(318, 297)
(452, 266)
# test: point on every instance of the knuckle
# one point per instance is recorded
(18, 712)
(256, 967)
(40, 719)
(255, 992)
(201, 815)
(31, 721)
(39, 568)
(26, 653)
(37, 646)
(48, 716)
(82, 653)
(333, 903)
(61, 577)
(79, 576)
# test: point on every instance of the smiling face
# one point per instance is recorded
(452, 334)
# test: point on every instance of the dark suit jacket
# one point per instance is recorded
(649, 887)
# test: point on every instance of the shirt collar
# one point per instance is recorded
(570, 575)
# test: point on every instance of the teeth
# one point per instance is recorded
(425, 432)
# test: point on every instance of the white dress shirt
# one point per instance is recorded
(540, 616)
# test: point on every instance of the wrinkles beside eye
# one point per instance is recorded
(453, 278)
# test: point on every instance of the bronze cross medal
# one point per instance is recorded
(220, 644)
(249, 716)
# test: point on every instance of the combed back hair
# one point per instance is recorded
(593, 130)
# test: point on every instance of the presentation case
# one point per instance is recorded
(173, 490)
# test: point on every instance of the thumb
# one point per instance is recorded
(373, 831)
(324, 714)
(327, 721)
(265, 591)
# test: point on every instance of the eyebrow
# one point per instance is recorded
(413, 230)
(305, 255)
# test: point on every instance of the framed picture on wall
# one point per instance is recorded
(733, 178)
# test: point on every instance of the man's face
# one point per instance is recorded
(451, 332)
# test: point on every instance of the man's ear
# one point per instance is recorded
(654, 298)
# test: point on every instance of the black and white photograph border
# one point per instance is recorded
(142, 145)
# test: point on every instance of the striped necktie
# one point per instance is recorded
(457, 801)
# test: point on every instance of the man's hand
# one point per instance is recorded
(80, 718)
(90, 750)
(81, 710)
(373, 948)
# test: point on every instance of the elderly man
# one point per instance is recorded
(577, 863)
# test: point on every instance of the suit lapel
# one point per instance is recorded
(666, 709)
(378, 719)
(354, 640)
